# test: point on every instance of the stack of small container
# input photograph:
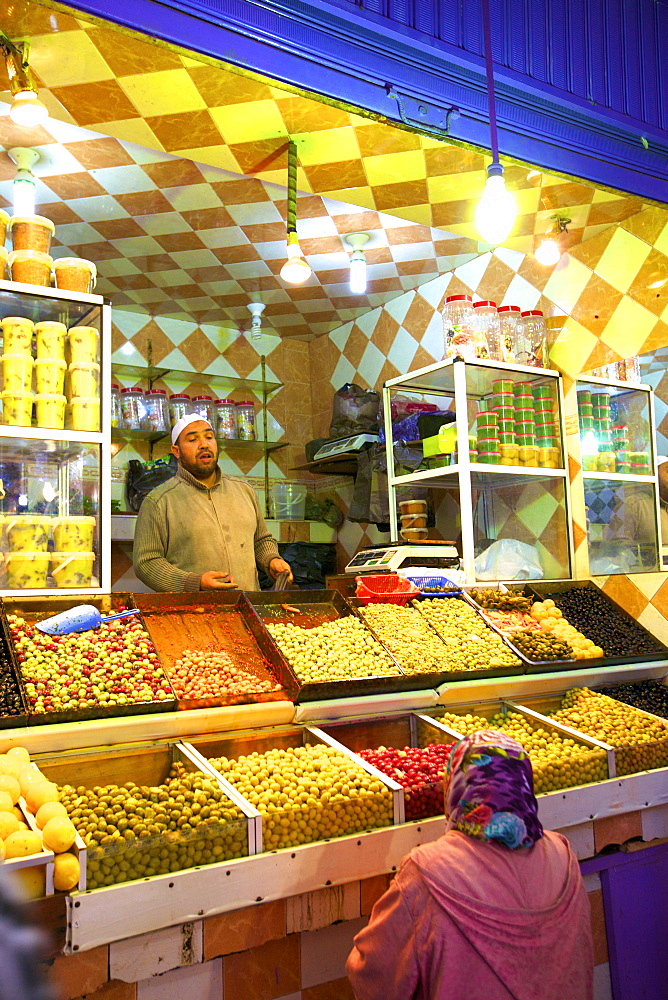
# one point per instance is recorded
(547, 427)
(605, 446)
(519, 427)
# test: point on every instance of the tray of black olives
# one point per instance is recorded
(606, 623)
(13, 702)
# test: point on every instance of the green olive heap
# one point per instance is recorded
(472, 645)
(336, 651)
(541, 646)
(511, 601)
(557, 761)
(409, 637)
(641, 741)
(308, 793)
(133, 831)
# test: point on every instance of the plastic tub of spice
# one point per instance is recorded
(50, 337)
(17, 408)
(49, 376)
(50, 410)
(83, 341)
(27, 570)
(30, 267)
(28, 532)
(17, 335)
(84, 414)
(75, 533)
(72, 569)
(84, 379)
(75, 274)
(17, 372)
(32, 232)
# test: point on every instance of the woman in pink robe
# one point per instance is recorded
(493, 910)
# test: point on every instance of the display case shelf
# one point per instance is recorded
(225, 444)
(153, 373)
(39, 304)
(618, 477)
(483, 477)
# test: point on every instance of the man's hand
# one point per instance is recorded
(216, 581)
(278, 566)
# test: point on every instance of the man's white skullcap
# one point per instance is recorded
(180, 425)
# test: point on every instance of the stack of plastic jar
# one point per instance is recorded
(530, 338)
(204, 408)
(547, 435)
(487, 331)
(585, 411)
(607, 460)
(620, 443)
(489, 450)
(246, 420)
(458, 341)
(226, 410)
(601, 411)
(133, 409)
(525, 424)
(179, 406)
(157, 410)
(116, 417)
(639, 461)
(509, 317)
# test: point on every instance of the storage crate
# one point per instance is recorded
(386, 589)
(131, 839)
(322, 810)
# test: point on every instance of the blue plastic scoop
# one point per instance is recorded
(80, 619)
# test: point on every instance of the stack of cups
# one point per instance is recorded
(50, 374)
(84, 379)
(413, 515)
(17, 369)
(525, 424)
(489, 449)
(601, 411)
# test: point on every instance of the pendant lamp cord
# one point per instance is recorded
(489, 69)
(292, 187)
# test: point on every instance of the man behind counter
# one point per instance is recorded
(202, 530)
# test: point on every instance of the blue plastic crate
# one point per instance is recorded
(434, 581)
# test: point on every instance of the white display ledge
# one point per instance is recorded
(116, 912)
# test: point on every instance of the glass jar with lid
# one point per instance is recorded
(509, 317)
(116, 417)
(487, 331)
(157, 410)
(246, 420)
(179, 406)
(458, 327)
(204, 408)
(531, 339)
(133, 409)
(226, 410)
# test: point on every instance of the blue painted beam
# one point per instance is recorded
(357, 57)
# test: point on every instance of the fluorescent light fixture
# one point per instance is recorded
(496, 211)
(27, 110)
(295, 270)
(357, 262)
(23, 190)
(256, 309)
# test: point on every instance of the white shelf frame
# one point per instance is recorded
(423, 381)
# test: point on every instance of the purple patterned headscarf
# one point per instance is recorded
(488, 789)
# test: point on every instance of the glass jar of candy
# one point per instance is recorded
(457, 324)
(246, 421)
(226, 410)
(179, 406)
(204, 408)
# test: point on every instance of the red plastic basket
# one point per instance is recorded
(385, 589)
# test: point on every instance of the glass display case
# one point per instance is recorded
(54, 441)
(499, 459)
(617, 435)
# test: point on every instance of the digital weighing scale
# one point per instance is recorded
(391, 558)
(344, 445)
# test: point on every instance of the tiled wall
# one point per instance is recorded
(611, 288)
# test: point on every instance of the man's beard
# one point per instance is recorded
(198, 469)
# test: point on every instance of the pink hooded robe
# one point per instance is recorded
(466, 920)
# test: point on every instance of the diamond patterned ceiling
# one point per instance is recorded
(169, 173)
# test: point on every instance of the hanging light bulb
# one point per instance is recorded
(357, 262)
(23, 189)
(496, 211)
(295, 270)
(27, 109)
(256, 309)
(549, 251)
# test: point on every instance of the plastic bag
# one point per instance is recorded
(310, 562)
(508, 559)
(145, 476)
(354, 411)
